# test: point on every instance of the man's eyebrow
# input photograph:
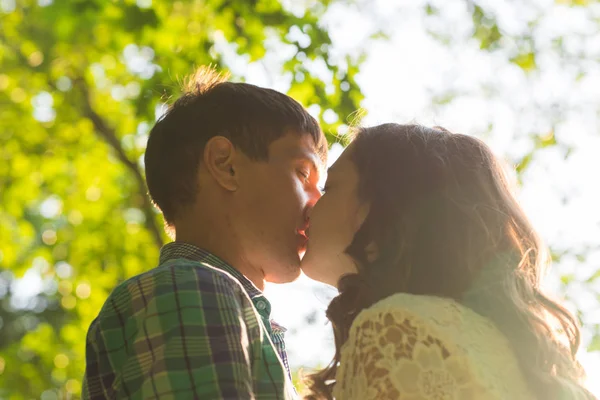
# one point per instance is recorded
(311, 159)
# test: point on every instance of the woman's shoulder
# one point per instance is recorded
(437, 334)
(415, 301)
(412, 318)
(440, 310)
(443, 317)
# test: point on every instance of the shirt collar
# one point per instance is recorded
(188, 251)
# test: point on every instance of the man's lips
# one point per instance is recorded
(302, 238)
(303, 235)
(303, 229)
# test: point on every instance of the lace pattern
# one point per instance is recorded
(424, 348)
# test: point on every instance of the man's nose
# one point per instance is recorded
(314, 196)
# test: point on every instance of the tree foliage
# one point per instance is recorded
(81, 83)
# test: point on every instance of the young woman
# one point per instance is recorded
(438, 271)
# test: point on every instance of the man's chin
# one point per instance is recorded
(286, 277)
(305, 261)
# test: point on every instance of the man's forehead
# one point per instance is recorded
(304, 147)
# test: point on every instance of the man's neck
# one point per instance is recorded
(227, 250)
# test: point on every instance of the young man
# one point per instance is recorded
(234, 170)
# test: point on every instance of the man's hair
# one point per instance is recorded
(251, 117)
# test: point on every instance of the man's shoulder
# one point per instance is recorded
(180, 271)
(168, 280)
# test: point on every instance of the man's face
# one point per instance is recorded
(272, 205)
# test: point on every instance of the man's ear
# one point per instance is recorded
(219, 160)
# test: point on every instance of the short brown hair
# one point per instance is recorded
(250, 116)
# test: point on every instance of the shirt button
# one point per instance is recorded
(261, 305)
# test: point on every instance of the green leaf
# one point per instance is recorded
(524, 163)
(486, 29)
(525, 60)
(567, 279)
(594, 344)
(575, 3)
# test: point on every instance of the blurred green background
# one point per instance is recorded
(82, 82)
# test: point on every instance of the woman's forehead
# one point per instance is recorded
(342, 166)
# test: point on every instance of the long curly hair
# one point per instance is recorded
(444, 222)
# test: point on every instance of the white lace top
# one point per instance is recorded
(427, 348)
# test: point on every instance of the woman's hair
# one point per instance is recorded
(445, 223)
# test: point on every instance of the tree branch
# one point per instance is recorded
(109, 135)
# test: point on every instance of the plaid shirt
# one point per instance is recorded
(194, 327)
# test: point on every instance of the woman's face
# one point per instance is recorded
(333, 222)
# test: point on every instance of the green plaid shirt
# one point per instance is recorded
(192, 328)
